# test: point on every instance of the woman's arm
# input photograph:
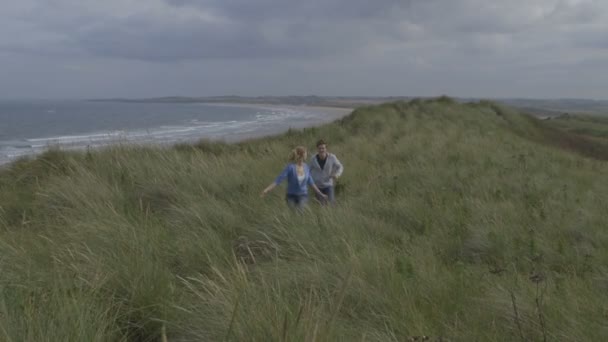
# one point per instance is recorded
(311, 182)
(324, 196)
(277, 181)
(283, 175)
(268, 189)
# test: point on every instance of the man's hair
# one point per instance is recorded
(321, 142)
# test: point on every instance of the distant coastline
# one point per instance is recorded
(316, 101)
(538, 107)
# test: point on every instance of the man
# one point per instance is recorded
(325, 169)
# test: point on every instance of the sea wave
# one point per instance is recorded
(192, 130)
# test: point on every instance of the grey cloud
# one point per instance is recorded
(244, 29)
(296, 9)
(579, 12)
(589, 40)
(140, 38)
(454, 45)
(188, 41)
(303, 29)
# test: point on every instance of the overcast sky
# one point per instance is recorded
(142, 48)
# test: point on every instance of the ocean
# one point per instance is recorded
(31, 127)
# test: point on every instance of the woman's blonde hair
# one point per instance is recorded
(298, 154)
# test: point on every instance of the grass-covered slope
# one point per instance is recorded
(461, 222)
(594, 126)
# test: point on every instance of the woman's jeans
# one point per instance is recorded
(296, 201)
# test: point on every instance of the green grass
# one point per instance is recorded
(467, 222)
(593, 126)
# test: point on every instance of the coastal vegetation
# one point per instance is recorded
(455, 221)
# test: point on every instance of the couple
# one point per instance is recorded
(321, 174)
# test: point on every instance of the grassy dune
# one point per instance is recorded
(462, 222)
(588, 125)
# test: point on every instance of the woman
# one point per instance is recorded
(298, 178)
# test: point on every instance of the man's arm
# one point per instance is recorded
(339, 167)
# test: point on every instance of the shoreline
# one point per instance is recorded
(274, 105)
(330, 114)
(324, 115)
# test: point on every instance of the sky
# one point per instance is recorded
(144, 48)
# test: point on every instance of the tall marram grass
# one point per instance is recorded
(455, 221)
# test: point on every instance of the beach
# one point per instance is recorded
(31, 128)
(330, 114)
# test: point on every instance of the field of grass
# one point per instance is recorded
(461, 222)
(589, 125)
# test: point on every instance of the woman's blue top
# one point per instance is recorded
(294, 187)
